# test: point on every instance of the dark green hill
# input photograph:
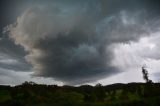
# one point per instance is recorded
(32, 94)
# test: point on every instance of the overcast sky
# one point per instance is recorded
(79, 41)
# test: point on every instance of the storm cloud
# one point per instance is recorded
(70, 42)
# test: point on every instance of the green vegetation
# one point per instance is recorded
(4, 96)
(31, 94)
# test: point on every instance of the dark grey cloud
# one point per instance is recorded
(12, 56)
(69, 41)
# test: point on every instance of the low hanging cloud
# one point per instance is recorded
(72, 43)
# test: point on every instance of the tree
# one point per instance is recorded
(99, 92)
(145, 75)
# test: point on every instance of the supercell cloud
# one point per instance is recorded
(71, 41)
